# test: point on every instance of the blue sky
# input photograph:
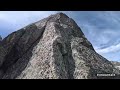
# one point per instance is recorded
(102, 28)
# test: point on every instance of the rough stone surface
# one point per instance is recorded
(52, 48)
(116, 64)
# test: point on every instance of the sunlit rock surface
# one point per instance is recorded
(52, 48)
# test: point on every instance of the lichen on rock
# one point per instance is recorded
(52, 48)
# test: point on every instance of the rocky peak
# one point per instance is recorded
(52, 48)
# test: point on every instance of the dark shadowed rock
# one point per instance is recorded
(0, 38)
(52, 48)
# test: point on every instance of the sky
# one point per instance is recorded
(101, 28)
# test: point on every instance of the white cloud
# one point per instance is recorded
(11, 21)
(113, 48)
(20, 18)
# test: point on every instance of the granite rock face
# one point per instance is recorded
(116, 64)
(52, 48)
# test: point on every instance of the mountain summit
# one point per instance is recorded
(52, 48)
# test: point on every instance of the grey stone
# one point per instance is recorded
(116, 64)
(52, 48)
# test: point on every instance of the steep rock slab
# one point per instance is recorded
(52, 48)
